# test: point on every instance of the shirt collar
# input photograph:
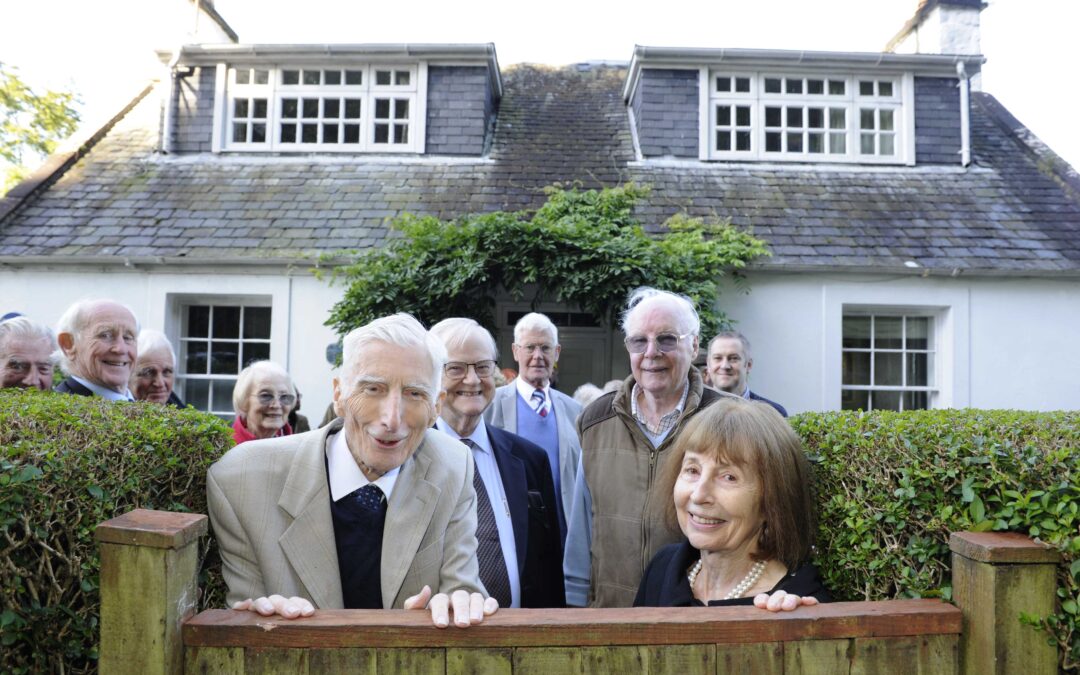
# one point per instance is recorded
(478, 436)
(345, 474)
(668, 419)
(526, 390)
(109, 394)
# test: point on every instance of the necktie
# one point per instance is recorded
(488, 548)
(538, 403)
(369, 497)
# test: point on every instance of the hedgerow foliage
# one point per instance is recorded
(583, 248)
(68, 463)
(892, 486)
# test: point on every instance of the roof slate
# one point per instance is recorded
(1012, 211)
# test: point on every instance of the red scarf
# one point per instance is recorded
(241, 433)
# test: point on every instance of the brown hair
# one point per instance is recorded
(752, 436)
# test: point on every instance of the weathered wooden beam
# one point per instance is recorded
(996, 576)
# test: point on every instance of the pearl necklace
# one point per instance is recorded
(743, 586)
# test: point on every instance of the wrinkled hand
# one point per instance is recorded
(290, 608)
(468, 608)
(782, 601)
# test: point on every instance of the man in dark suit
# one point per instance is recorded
(98, 339)
(519, 548)
(729, 367)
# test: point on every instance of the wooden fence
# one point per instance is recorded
(148, 590)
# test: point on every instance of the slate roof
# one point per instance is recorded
(1014, 211)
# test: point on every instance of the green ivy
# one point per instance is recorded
(893, 486)
(68, 463)
(582, 248)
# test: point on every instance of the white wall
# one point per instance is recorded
(1004, 343)
(300, 305)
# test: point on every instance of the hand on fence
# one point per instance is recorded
(290, 608)
(782, 601)
(468, 608)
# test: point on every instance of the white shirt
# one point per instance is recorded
(345, 474)
(488, 467)
(525, 390)
(110, 394)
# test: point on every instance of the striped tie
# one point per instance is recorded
(538, 403)
(489, 552)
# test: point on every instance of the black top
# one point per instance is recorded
(358, 535)
(665, 583)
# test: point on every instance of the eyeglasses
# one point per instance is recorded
(266, 398)
(665, 342)
(457, 370)
(546, 350)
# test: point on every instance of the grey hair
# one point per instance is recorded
(535, 321)
(152, 340)
(587, 393)
(26, 328)
(401, 330)
(242, 391)
(74, 319)
(732, 335)
(691, 322)
(456, 331)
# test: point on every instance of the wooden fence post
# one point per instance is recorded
(149, 575)
(996, 576)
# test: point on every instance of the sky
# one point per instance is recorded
(104, 49)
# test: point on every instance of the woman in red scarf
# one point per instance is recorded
(262, 398)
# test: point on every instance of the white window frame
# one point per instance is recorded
(411, 94)
(904, 351)
(947, 304)
(900, 102)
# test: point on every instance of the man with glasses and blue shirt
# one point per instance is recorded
(532, 409)
(614, 527)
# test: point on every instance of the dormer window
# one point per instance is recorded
(798, 117)
(343, 108)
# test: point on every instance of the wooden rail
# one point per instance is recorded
(148, 572)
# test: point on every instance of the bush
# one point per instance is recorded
(67, 463)
(892, 486)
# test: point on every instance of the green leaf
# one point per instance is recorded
(977, 510)
(96, 492)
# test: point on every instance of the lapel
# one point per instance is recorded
(308, 542)
(567, 427)
(407, 517)
(512, 471)
(509, 408)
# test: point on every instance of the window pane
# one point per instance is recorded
(887, 332)
(856, 330)
(382, 77)
(884, 88)
(354, 77)
(866, 88)
(772, 142)
(723, 115)
(382, 133)
(226, 322)
(352, 108)
(243, 76)
(742, 115)
(885, 400)
(794, 117)
(885, 120)
(257, 323)
(221, 395)
(723, 84)
(916, 370)
(329, 133)
(198, 322)
(309, 133)
(382, 108)
(816, 143)
(240, 107)
(197, 393)
(772, 85)
(855, 368)
(887, 369)
(352, 133)
(224, 358)
(401, 133)
(816, 118)
(290, 77)
(854, 400)
(918, 332)
(742, 140)
(193, 356)
(401, 77)
(260, 109)
(887, 144)
(331, 108)
(772, 117)
(289, 108)
(815, 86)
(288, 133)
(401, 109)
(239, 132)
(311, 76)
(723, 140)
(866, 118)
(794, 142)
(742, 84)
(866, 144)
(916, 400)
(837, 118)
(255, 351)
(258, 133)
(837, 87)
(794, 86)
(837, 143)
(332, 76)
(311, 108)
(262, 76)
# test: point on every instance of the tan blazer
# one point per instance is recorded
(269, 504)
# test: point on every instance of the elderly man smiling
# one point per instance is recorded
(26, 354)
(375, 510)
(98, 339)
(614, 529)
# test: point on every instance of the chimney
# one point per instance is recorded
(942, 27)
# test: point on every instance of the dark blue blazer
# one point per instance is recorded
(530, 493)
(72, 386)
(779, 408)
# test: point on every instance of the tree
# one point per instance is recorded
(583, 248)
(30, 124)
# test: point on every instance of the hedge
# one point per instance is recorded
(68, 463)
(892, 486)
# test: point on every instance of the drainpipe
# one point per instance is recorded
(965, 114)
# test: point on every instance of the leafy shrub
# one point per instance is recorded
(67, 463)
(892, 486)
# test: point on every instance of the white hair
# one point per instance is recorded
(246, 380)
(400, 330)
(587, 393)
(456, 331)
(28, 329)
(535, 321)
(74, 319)
(152, 341)
(689, 323)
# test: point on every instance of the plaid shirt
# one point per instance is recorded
(667, 422)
